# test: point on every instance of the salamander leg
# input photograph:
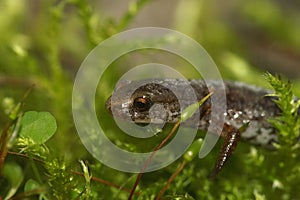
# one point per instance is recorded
(232, 137)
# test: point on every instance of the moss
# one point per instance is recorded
(45, 42)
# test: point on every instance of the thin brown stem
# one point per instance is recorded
(3, 144)
(25, 156)
(5, 136)
(104, 182)
(172, 177)
(29, 193)
(15, 82)
(150, 158)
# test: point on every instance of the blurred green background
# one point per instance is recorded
(45, 42)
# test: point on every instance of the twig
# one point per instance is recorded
(5, 136)
(15, 82)
(104, 182)
(29, 193)
(172, 177)
(150, 158)
(186, 114)
(25, 156)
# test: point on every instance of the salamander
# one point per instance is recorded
(245, 104)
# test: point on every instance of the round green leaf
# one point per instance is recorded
(39, 126)
(31, 185)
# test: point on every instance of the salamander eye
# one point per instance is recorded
(142, 103)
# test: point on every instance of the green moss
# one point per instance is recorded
(44, 44)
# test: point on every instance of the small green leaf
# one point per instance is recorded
(244, 127)
(190, 110)
(39, 126)
(87, 178)
(193, 150)
(258, 196)
(31, 185)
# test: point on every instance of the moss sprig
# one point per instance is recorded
(283, 164)
(288, 122)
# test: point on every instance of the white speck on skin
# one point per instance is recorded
(236, 115)
(124, 105)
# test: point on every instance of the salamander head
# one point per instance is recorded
(144, 103)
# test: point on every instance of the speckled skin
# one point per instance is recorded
(246, 104)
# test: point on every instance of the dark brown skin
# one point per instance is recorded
(245, 104)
